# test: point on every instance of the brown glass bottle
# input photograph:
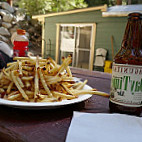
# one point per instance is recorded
(126, 83)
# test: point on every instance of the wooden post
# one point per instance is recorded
(10, 2)
(57, 42)
(92, 47)
(112, 49)
(43, 38)
(118, 2)
(129, 2)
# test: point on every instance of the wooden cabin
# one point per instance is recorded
(80, 32)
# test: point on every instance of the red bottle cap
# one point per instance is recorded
(21, 32)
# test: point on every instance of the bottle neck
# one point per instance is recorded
(133, 35)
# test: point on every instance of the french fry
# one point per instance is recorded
(67, 69)
(9, 87)
(30, 94)
(11, 67)
(20, 67)
(44, 83)
(13, 93)
(25, 72)
(42, 91)
(1, 74)
(75, 85)
(54, 70)
(11, 63)
(41, 80)
(63, 95)
(28, 62)
(27, 58)
(52, 61)
(27, 84)
(94, 92)
(67, 89)
(7, 75)
(14, 97)
(81, 85)
(1, 90)
(5, 81)
(49, 100)
(36, 81)
(20, 58)
(19, 87)
(64, 65)
(27, 78)
(27, 68)
(19, 81)
(53, 79)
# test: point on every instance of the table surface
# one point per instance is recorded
(52, 125)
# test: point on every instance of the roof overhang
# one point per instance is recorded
(122, 10)
(41, 17)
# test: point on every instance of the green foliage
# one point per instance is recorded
(110, 2)
(63, 5)
(96, 2)
(34, 7)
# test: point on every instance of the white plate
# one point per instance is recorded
(45, 105)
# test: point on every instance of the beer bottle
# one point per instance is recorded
(126, 83)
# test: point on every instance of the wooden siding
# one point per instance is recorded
(105, 28)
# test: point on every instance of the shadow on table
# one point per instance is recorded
(28, 116)
(6, 135)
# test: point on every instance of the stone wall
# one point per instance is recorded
(11, 19)
(8, 22)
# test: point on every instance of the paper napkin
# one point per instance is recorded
(99, 127)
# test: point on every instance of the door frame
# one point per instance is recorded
(92, 46)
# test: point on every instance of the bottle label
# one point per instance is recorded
(126, 85)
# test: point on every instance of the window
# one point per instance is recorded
(78, 40)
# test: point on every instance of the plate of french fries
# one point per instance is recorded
(35, 83)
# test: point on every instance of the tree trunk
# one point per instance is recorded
(10, 2)
(129, 2)
(118, 2)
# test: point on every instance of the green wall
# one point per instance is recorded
(106, 27)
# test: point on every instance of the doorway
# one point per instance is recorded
(77, 40)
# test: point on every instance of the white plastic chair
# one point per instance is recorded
(100, 57)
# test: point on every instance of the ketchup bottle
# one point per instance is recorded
(126, 83)
(21, 42)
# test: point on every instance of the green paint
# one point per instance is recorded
(106, 27)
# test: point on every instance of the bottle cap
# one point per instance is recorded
(135, 15)
(21, 32)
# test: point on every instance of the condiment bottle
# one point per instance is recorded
(21, 42)
(126, 83)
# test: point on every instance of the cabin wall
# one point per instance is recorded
(106, 27)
